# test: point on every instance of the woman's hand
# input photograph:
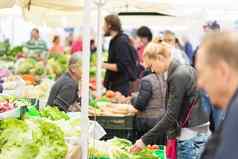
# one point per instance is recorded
(137, 147)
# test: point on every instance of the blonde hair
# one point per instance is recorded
(156, 51)
(157, 40)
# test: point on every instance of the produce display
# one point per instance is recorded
(7, 52)
(4, 47)
(105, 108)
(93, 69)
(45, 134)
(111, 104)
(31, 139)
(8, 103)
(11, 82)
(57, 65)
(29, 66)
(117, 148)
(21, 88)
(117, 97)
(6, 106)
(53, 113)
(49, 133)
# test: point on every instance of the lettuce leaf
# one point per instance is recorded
(31, 139)
(53, 113)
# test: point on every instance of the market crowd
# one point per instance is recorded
(184, 97)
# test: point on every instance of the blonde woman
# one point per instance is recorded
(184, 120)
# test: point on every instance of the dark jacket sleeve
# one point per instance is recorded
(122, 55)
(142, 99)
(65, 97)
(228, 146)
(177, 89)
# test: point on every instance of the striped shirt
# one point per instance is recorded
(36, 47)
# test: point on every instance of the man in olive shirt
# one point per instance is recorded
(64, 92)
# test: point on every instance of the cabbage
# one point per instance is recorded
(25, 66)
(54, 68)
(71, 128)
(38, 70)
(57, 65)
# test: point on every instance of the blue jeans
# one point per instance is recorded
(192, 148)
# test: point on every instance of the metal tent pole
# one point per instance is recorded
(85, 79)
(99, 4)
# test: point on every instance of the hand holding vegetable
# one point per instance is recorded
(138, 146)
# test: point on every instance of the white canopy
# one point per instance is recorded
(7, 3)
(55, 13)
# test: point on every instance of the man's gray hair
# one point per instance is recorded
(75, 59)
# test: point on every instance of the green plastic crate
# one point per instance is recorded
(115, 122)
(122, 127)
(161, 153)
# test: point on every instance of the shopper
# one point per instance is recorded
(184, 118)
(210, 26)
(150, 100)
(188, 48)
(93, 46)
(77, 45)
(64, 92)
(36, 47)
(217, 115)
(56, 47)
(217, 64)
(170, 38)
(145, 36)
(121, 67)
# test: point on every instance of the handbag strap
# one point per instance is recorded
(188, 115)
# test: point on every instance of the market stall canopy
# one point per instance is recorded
(13, 11)
(63, 13)
(70, 13)
(55, 13)
(7, 3)
(189, 7)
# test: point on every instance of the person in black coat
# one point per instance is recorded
(119, 72)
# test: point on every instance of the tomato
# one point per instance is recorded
(110, 94)
(149, 147)
(155, 147)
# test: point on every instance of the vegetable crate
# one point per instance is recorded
(119, 126)
(161, 153)
(18, 106)
(35, 102)
(148, 154)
